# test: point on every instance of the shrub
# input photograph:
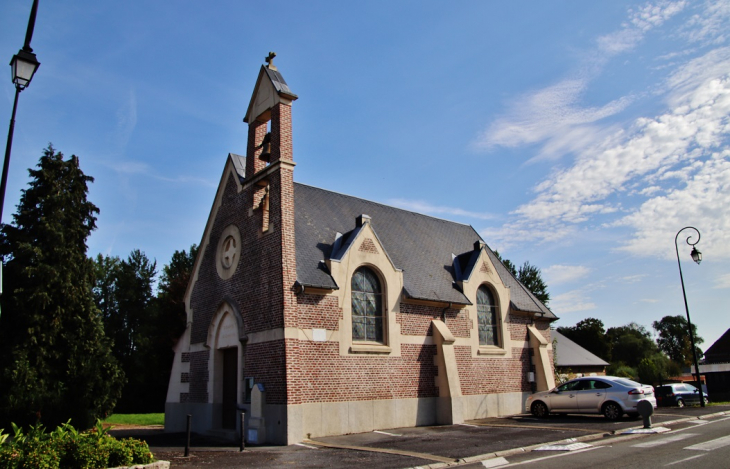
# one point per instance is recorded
(66, 447)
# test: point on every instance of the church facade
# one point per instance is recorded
(319, 313)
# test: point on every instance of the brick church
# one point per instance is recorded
(319, 313)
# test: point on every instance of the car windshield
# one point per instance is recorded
(628, 383)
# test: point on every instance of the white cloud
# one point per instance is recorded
(723, 281)
(559, 274)
(697, 124)
(571, 302)
(129, 167)
(704, 202)
(553, 115)
(425, 207)
(126, 122)
(711, 26)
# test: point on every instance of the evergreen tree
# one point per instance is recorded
(123, 293)
(531, 277)
(54, 361)
(528, 275)
(171, 295)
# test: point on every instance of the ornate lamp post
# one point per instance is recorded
(23, 65)
(697, 257)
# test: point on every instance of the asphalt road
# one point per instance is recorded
(480, 441)
(696, 443)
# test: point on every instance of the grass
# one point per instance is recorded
(135, 419)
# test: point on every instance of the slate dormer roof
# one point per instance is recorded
(420, 245)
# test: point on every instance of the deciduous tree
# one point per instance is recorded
(674, 339)
(591, 335)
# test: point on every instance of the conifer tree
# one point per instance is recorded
(55, 360)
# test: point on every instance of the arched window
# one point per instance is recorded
(367, 306)
(488, 317)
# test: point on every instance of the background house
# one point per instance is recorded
(572, 360)
(715, 368)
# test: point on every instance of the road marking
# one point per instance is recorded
(468, 425)
(386, 433)
(699, 422)
(570, 447)
(553, 456)
(665, 440)
(306, 446)
(496, 462)
(684, 460)
(711, 445)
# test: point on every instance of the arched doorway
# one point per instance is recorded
(225, 339)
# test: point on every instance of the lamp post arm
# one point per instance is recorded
(31, 26)
(686, 309)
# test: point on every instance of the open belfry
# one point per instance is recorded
(319, 313)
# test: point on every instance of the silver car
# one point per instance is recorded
(608, 395)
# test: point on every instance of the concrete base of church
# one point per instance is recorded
(292, 424)
(206, 420)
(339, 418)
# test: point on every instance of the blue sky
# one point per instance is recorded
(580, 136)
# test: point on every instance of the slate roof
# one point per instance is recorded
(279, 84)
(421, 246)
(719, 352)
(572, 354)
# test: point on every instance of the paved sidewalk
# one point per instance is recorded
(438, 446)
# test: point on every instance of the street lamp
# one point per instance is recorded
(697, 257)
(23, 66)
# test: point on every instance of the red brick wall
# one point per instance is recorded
(493, 375)
(318, 312)
(325, 376)
(517, 326)
(265, 363)
(198, 377)
(416, 320)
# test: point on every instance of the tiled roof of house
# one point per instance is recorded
(571, 354)
(420, 245)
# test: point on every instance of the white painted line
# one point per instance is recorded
(307, 446)
(645, 431)
(571, 447)
(468, 425)
(665, 440)
(553, 456)
(699, 422)
(711, 445)
(684, 460)
(386, 433)
(496, 462)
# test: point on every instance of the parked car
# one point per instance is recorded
(608, 395)
(678, 394)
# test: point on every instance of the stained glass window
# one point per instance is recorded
(488, 317)
(367, 306)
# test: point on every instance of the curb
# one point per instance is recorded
(152, 465)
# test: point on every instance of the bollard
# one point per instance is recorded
(646, 409)
(187, 443)
(243, 419)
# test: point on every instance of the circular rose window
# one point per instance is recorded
(229, 252)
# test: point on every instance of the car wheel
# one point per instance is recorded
(680, 403)
(539, 410)
(612, 411)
